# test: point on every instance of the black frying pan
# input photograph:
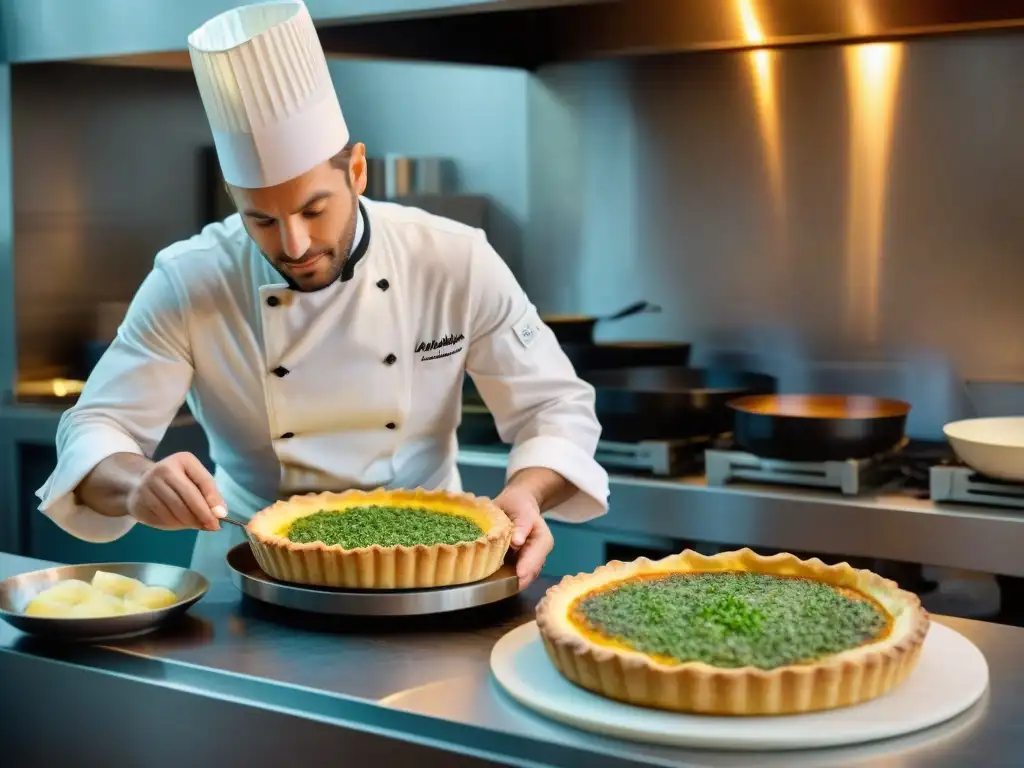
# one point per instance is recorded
(818, 427)
(579, 329)
(664, 402)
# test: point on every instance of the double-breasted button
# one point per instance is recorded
(287, 435)
(390, 359)
(280, 371)
(383, 284)
(391, 425)
(273, 301)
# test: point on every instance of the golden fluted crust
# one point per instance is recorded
(851, 677)
(398, 567)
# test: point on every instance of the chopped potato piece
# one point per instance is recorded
(115, 584)
(133, 607)
(97, 607)
(68, 591)
(152, 598)
(48, 607)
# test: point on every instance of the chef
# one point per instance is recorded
(319, 338)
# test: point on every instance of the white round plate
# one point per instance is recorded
(951, 675)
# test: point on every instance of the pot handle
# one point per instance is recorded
(636, 308)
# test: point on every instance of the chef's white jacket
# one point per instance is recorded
(354, 386)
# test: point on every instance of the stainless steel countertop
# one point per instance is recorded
(439, 668)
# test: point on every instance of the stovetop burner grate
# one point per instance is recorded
(662, 458)
(905, 466)
(959, 483)
(725, 467)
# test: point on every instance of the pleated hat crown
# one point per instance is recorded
(268, 95)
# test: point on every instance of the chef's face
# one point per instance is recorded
(305, 226)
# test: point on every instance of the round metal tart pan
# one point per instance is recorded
(250, 580)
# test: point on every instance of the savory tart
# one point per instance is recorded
(733, 634)
(381, 539)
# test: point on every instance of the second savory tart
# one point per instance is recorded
(733, 634)
(397, 539)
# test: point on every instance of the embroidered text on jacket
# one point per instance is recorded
(441, 346)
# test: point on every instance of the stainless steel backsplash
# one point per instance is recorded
(107, 171)
(848, 218)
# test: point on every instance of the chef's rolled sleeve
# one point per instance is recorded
(571, 462)
(85, 447)
(540, 406)
(127, 404)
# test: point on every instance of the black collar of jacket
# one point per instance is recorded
(360, 250)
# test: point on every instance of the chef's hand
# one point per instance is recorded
(177, 492)
(531, 535)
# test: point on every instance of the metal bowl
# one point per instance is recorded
(17, 591)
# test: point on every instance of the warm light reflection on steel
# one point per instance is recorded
(873, 76)
(762, 65)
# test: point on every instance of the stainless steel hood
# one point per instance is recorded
(669, 26)
(536, 36)
(62, 30)
(524, 33)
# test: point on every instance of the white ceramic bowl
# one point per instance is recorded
(994, 446)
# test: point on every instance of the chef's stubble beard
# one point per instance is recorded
(339, 257)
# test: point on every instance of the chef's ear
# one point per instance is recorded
(357, 168)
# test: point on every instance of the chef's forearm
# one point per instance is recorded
(106, 489)
(547, 486)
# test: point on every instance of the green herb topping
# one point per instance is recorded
(730, 619)
(386, 526)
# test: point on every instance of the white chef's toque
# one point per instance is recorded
(268, 95)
